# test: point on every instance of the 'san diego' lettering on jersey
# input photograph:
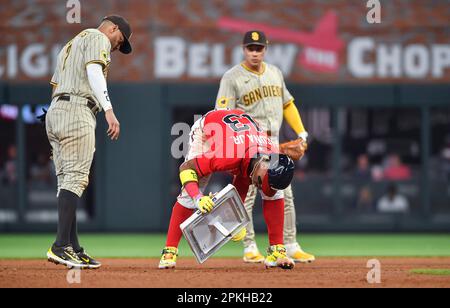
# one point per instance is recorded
(260, 93)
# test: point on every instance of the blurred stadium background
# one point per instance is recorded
(375, 99)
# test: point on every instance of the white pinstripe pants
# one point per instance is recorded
(71, 133)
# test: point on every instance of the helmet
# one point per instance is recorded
(280, 172)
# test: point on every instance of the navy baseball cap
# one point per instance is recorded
(125, 28)
(255, 37)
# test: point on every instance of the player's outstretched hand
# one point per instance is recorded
(204, 203)
(113, 125)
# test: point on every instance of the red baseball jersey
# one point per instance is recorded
(234, 139)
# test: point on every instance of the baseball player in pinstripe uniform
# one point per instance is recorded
(258, 88)
(79, 93)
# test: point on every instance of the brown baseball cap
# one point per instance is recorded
(125, 28)
(255, 37)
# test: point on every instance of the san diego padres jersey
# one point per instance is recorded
(70, 77)
(261, 95)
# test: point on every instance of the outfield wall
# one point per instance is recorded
(134, 180)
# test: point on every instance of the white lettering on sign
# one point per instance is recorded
(176, 58)
(368, 59)
(389, 64)
(441, 60)
(282, 56)
(416, 61)
(198, 61)
(13, 64)
(34, 61)
(357, 50)
(169, 57)
(321, 57)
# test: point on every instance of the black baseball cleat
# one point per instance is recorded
(88, 260)
(65, 255)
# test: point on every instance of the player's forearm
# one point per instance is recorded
(292, 117)
(189, 179)
(97, 82)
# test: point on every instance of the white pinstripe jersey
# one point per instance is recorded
(70, 77)
(261, 95)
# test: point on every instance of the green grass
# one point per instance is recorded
(27, 246)
(435, 272)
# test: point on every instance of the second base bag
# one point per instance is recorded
(207, 233)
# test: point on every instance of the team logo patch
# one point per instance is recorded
(255, 36)
(104, 56)
(222, 102)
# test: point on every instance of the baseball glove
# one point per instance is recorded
(42, 116)
(295, 149)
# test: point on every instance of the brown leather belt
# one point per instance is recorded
(89, 103)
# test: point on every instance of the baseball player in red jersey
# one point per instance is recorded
(258, 88)
(231, 141)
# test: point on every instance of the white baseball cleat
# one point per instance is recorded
(297, 254)
(252, 254)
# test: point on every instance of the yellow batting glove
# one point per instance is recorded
(204, 204)
(240, 235)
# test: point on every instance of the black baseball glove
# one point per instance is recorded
(42, 116)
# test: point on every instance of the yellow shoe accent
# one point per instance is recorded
(277, 257)
(168, 258)
(253, 257)
(295, 252)
(302, 257)
(72, 263)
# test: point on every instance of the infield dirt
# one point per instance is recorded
(226, 273)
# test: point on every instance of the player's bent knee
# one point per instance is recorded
(72, 188)
(77, 187)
